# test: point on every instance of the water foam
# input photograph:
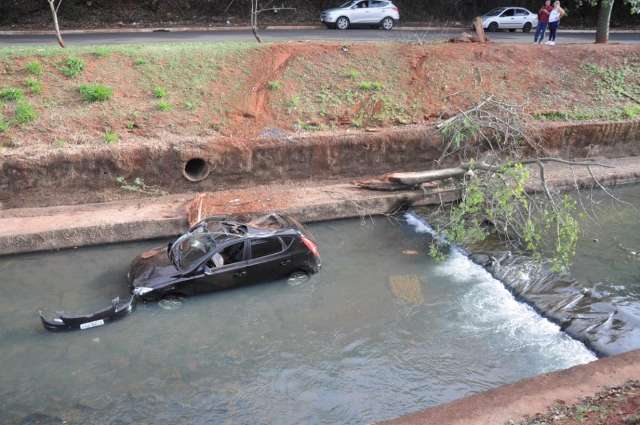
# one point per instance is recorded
(487, 304)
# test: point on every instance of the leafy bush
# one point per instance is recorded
(25, 113)
(159, 92)
(111, 137)
(11, 94)
(164, 106)
(34, 85)
(96, 92)
(72, 67)
(139, 62)
(370, 86)
(34, 68)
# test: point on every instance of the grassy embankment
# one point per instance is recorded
(94, 95)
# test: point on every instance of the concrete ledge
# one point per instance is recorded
(530, 396)
(39, 229)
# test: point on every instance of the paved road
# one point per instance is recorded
(284, 35)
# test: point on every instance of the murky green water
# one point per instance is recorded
(381, 331)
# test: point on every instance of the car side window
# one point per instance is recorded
(265, 246)
(286, 241)
(363, 4)
(377, 4)
(230, 255)
(521, 12)
(507, 13)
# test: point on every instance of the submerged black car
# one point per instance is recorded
(214, 254)
(221, 254)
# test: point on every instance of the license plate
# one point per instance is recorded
(93, 324)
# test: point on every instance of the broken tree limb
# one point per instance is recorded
(419, 177)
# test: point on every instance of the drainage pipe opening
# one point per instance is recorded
(196, 169)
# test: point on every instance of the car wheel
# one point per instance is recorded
(527, 27)
(342, 23)
(298, 278)
(387, 24)
(493, 27)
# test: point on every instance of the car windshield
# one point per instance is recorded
(494, 12)
(191, 248)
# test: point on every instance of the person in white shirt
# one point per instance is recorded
(554, 20)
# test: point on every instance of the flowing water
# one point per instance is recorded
(381, 331)
(599, 300)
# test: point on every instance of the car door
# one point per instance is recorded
(507, 18)
(376, 12)
(359, 12)
(521, 16)
(268, 259)
(227, 270)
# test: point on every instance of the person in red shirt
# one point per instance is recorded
(543, 21)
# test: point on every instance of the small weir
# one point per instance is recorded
(598, 301)
(381, 331)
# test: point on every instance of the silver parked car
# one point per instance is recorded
(511, 18)
(379, 13)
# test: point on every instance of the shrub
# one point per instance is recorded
(72, 67)
(139, 62)
(11, 94)
(370, 86)
(25, 113)
(34, 85)
(34, 68)
(632, 111)
(159, 92)
(164, 106)
(96, 92)
(111, 137)
(274, 85)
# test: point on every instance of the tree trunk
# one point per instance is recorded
(604, 17)
(54, 13)
(254, 20)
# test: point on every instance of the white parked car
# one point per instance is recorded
(510, 18)
(379, 13)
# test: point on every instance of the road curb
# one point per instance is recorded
(248, 28)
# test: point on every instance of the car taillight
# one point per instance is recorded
(310, 245)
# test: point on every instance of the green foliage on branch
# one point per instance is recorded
(497, 202)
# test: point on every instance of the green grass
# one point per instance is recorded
(4, 123)
(11, 94)
(34, 85)
(274, 85)
(34, 68)
(164, 106)
(370, 86)
(60, 143)
(96, 92)
(72, 67)
(353, 74)
(101, 52)
(25, 113)
(159, 92)
(111, 137)
(591, 114)
(139, 61)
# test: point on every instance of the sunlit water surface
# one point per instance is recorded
(381, 331)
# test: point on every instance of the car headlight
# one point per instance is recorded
(141, 290)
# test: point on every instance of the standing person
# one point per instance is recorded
(554, 20)
(543, 21)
